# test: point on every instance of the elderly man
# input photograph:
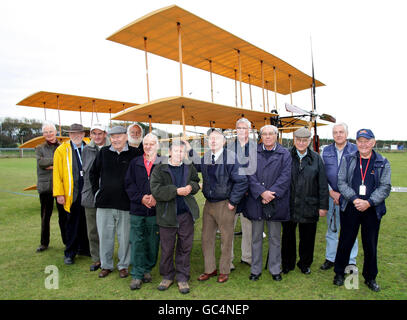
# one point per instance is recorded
(68, 185)
(98, 140)
(223, 188)
(268, 201)
(144, 235)
(308, 201)
(174, 185)
(45, 160)
(364, 181)
(135, 135)
(332, 156)
(111, 200)
(244, 149)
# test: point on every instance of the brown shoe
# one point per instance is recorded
(223, 278)
(206, 276)
(123, 273)
(104, 273)
(165, 284)
(183, 287)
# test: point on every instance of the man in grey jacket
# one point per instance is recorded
(364, 181)
(99, 139)
(45, 160)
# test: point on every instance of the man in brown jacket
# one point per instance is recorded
(45, 160)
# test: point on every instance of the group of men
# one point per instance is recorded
(120, 184)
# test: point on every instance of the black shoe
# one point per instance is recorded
(245, 262)
(238, 233)
(339, 280)
(372, 285)
(68, 260)
(277, 277)
(254, 277)
(327, 265)
(305, 270)
(287, 270)
(95, 266)
(41, 248)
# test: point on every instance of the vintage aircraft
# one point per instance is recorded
(179, 35)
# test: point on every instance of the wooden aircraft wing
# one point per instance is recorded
(61, 101)
(196, 113)
(210, 48)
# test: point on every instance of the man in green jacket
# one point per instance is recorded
(173, 185)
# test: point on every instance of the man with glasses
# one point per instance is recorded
(332, 156)
(68, 184)
(364, 181)
(245, 149)
(308, 201)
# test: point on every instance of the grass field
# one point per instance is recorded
(22, 270)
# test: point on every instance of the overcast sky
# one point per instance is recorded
(359, 48)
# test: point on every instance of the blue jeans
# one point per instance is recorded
(332, 237)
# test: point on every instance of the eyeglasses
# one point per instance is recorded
(242, 128)
(302, 140)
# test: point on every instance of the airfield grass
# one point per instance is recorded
(22, 270)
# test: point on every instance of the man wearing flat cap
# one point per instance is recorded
(67, 188)
(308, 201)
(223, 187)
(107, 177)
(99, 139)
(364, 181)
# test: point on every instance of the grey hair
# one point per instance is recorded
(48, 124)
(274, 128)
(244, 120)
(176, 143)
(343, 124)
(151, 136)
(133, 125)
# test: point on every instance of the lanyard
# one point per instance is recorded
(367, 166)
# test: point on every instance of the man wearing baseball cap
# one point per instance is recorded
(98, 140)
(364, 181)
(67, 188)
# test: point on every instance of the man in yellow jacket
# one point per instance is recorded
(67, 188)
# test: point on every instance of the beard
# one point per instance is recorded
(133, 141)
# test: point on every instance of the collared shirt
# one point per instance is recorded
(339, 153)
(125, 148)
(302, 155)
(274, 148)
(148, 164)
(217, 154)
(79, 151)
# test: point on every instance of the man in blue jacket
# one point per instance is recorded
(268, 201)
(364, 181)
(223, 188)
(144, 233)
(332, 156)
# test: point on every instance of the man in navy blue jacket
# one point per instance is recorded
(332, 156)
(144, 234)
(223, 188)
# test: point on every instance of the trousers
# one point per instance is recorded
(110, 221)
(351, 220)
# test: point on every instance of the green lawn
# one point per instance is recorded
(22, 271)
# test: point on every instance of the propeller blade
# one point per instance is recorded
(327, 117)
(295, 109)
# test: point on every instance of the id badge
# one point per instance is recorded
(362, 190)
(81, 173)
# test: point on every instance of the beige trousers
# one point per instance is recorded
(216, 215)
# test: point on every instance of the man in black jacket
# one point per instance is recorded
(112, 202)
(309, 199)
